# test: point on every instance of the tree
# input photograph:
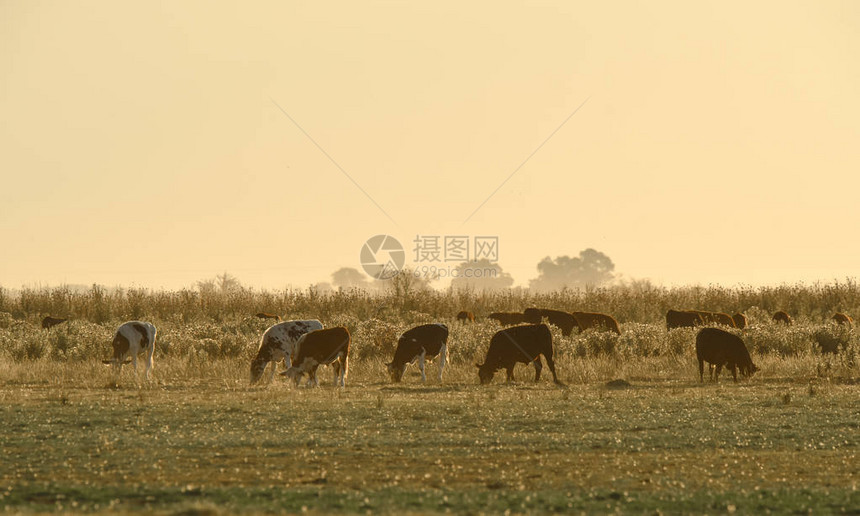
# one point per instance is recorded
(590, 268)
(480, 275)
(347, 277)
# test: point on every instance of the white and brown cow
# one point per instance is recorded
(131, 339)
(320, 347)
(416, 345)
(278, 343)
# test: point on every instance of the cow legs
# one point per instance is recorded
(734, 369)
(702, 370)
(717, 372)
(538, 367)
(443, 356)
(421, 366)
(510, 371)
(149, 362)
(551, 363)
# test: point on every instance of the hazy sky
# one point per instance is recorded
(140, 143)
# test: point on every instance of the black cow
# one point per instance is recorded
(533, 315)
(522, 344)
(718, 348)
(416, 345)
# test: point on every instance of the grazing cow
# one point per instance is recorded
(416, 345)
(683, 319)
(131, 338)
(507, 318)
(50, 322)
(523, 344)
(587, 320)
(533, 315)
(464, 316)
(841, 318)
(265, 315)
(278, 343)
(718, 348)
(563, 320)
(740, 320)
(329, 346)
(782, 317)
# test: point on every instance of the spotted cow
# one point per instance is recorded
(131, 339)
(277, 344)
(416, 345)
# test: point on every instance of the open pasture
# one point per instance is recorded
(197, 439)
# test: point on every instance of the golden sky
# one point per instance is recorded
(141, 143)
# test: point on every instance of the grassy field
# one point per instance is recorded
(196, 439)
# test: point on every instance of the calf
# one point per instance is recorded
(330, 346)
(718, 348)
(416, 345)
(50, 322)
(586, 320)
(131, 338)
(840, 318)
(278, 343)
(683, 319)
(522, 344)
(464, 316)
(782, 317)
(507, 318)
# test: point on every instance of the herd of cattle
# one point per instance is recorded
(304, 345)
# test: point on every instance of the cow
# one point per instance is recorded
(840, 318)
(740, 320)
(716, 318)
(683, 319)
(588, 320)
(417, 345)
(533, 316)
(130, 339)
(49, 322)
(329, 346)
(266, 315)
(523, 344)
(464, 316)
(721, 348)
(507, 318)
(562, 320)
(782, 317)
(278, 343)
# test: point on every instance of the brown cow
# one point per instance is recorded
(588, 320)
(719, 347)
(562, 320)
(740, 320)
(683, 319)
(782, 317)
(841, 318)
(266, 315)
(533, 315)
(328, 346)
(507, 318)
(464, 316)
(416, 345)
(50, 322)
(524, 344)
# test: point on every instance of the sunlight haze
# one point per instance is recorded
(144, 144)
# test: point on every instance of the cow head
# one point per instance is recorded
(749, 369)
(485, 373)
(257, 368)
(395, 371)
